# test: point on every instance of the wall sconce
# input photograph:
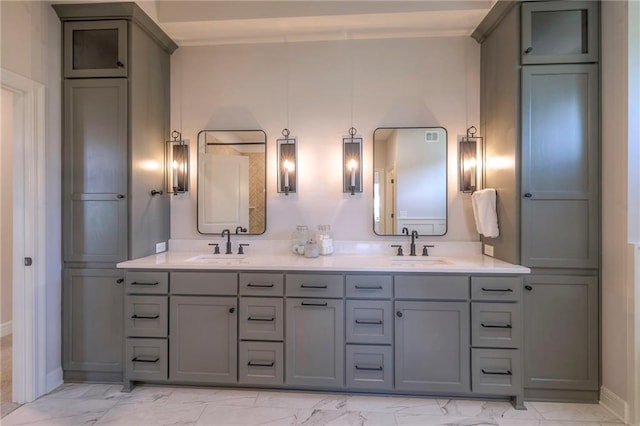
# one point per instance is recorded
(352, 163)
(287, 164)
(177, 164)
(469, 160)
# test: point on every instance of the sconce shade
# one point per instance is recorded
(287, 164)
(352, 163)
(177, 164)
(469, 161)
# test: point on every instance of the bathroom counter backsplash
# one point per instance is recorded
(445, 257)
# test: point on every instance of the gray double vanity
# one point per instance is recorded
(452, 322)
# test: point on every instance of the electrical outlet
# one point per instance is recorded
(160, 247)
(488, 250)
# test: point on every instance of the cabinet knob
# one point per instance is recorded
(399, 314)
(528, 287)
(120, 64)
(232, 310)
(527, 195)
(120, 280)
(529, 49)
(120, 196)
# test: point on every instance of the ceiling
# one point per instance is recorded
(208, 22)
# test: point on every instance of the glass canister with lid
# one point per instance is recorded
(299, 239)
(324, 239)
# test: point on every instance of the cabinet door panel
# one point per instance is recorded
(315, 342)
(95, 49)
(203, 343)
(432, 346)
(560, 166)
(93, 314)
(561, 332)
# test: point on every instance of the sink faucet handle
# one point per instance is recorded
(405, 230)
(399, 247)
(216, 248)
(425, 249)
(241, 249)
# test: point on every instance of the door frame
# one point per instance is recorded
(29, 290)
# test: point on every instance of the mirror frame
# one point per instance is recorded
(446, 160)
(231, 144)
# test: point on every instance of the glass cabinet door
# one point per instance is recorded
(559, 32)
(95, 49)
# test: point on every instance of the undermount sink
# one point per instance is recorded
(218, 259)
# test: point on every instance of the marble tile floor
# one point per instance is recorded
(99, 404)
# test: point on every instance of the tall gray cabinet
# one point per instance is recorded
(115, 121)
(540, 107)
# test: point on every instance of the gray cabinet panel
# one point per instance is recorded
(369, 367)
(559, 32)
(261, 284)
(496, 325)
(560, 166)
(315, 285)
(146, 316)
(315, 342)
(146, 359)
(92, 335)
(261, 363)
(432, 346)
(146, 282)
(496, 371)
(95, 170)
(369, 321)
(369, 286)
(205, 283)
(203, 343)
(561, 335)
(496, 289)
(261, 318)
(95, 49)
(431, 287)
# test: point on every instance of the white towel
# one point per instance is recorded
(484, 212)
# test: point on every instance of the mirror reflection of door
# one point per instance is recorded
(226, 179)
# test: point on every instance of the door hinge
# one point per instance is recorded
(28, 261)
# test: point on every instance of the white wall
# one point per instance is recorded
(308, 88)
(6, 214)
(31, 47)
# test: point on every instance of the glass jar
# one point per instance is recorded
(299, 239)
(311, 249)
(324, 239)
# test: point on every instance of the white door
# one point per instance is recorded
(226, 183)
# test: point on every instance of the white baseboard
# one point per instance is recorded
(614, 403)
(6, 328)
(53, 380)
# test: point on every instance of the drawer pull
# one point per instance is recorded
(145, 316)
(502, 290)
(260, 285)
(496, 373)
(495, 325)
(369, 368)
(371, 322)
(154, 360)
(266, 319)
(260, 364)
(137, 283)
(366, 287)
(314, 304)
(313, 286)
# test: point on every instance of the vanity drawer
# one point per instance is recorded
(496, 371)
(369, 367)
(369, 321)
(431, 287)
(205, 283)
(498, 289)
(261, 318)
(315, 285)
(146, 316)
(261, 284)
(146, 359)
(261, 363)
(146, 282)
(369, 286)
(496, 325)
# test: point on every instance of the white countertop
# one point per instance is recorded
(371, 262)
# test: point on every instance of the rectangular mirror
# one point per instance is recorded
(410, 180)
(232, 190)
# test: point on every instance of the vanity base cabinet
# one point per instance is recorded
(315, 343)
(561, 340)
(203, 341)
(432, 346)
